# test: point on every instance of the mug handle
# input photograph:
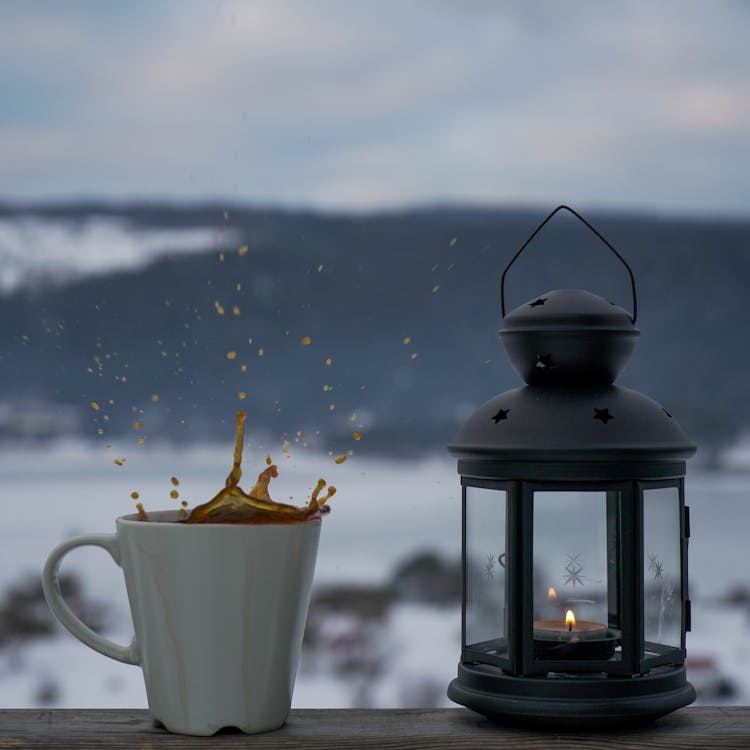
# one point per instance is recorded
(54, 597)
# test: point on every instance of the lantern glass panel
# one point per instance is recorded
(662, 589)
(576, 553)
(485, 585)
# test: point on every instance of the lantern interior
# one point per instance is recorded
(576, 577)
(563, 578)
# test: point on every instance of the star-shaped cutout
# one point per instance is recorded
(538, 302)
(603, 415)
(501, 415)
(544, 362)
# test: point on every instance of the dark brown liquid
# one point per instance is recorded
(233, 505)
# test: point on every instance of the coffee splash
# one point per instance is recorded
(234, 506)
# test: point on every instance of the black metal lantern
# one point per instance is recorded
(575, 531)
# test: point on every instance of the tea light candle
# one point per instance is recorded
(572, 639)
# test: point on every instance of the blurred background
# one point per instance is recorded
(302, 209)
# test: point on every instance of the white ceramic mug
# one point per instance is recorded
(219, 613)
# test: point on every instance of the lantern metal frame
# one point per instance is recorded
(591, 341)
(519, 516)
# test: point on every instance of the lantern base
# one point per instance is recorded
(571, 702)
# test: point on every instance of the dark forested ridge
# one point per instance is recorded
(358, 286)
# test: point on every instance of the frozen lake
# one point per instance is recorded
(384, 510)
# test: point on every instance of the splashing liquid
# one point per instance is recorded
(233, 505)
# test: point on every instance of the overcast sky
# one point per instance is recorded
(379, 104)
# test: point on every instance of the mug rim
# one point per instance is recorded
(167, 518)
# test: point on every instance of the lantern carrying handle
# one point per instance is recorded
(580, 218)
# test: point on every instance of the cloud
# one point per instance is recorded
(341, 104)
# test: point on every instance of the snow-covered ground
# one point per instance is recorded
(384, 511)
(72, 248)
(719, 654)
(418, 646)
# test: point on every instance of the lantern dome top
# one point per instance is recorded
(570, 421)
(539, 430)
(569, 337)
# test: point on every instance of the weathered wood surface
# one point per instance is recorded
(431, 729)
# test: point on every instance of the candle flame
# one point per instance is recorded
(551, 593)
(570, 619)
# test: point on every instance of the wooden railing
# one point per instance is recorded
(333, 729)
